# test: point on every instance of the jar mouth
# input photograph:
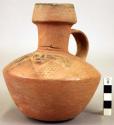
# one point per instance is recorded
(56, 4)
(54, 12)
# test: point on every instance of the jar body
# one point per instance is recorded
(51, 86)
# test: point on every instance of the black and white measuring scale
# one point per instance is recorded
(107, 101)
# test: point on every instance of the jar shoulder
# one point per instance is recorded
(51, 65)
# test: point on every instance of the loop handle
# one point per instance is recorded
(82, 43)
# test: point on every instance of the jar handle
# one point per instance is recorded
(82, 43)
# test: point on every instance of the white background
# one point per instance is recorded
(18, 36)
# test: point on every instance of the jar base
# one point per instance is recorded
(51, 122)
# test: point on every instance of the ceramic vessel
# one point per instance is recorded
(51, 84)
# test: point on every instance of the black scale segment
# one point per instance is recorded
(107, 89)
(107, 104)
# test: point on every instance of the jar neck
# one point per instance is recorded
(53, 36)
